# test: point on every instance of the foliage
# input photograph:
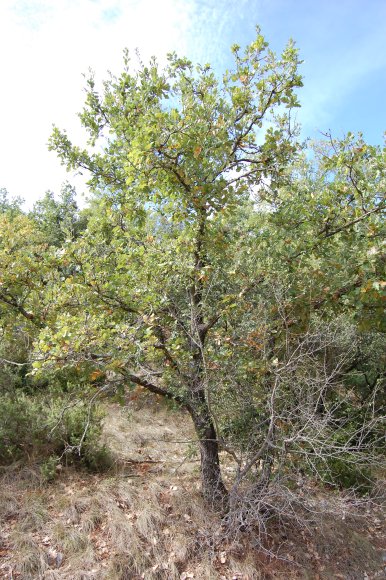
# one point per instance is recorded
(48, 429)
(12, 206)
(59, 219)
(14, 352)
(329, 228)
(24, 270)
(30, 407)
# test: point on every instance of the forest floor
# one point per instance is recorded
(146, 519)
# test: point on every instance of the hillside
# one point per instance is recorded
(146, 519)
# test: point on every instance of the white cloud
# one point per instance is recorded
(46, 46)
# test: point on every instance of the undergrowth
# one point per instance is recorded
(146, 520)
(49, 429)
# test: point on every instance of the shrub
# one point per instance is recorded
(45, 428)
(346, 475)
(48, 468)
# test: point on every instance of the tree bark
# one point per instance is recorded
(213, 488)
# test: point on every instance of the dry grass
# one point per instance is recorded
(147, 520)
(152, 433)
(30, 560)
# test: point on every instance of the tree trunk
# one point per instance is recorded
(213, 488)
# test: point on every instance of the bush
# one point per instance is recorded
(48, 468)
(18, 427)
(347, 475)
(45, 428)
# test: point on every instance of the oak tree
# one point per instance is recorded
(207, 245)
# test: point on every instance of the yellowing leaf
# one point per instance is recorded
(95, 375)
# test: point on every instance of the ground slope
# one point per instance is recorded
(145, 518)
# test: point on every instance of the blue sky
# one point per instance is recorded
(46, 45)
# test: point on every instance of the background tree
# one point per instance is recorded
(9, 206)
(59, 219)
(33, 425)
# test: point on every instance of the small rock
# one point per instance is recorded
(59, 559)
